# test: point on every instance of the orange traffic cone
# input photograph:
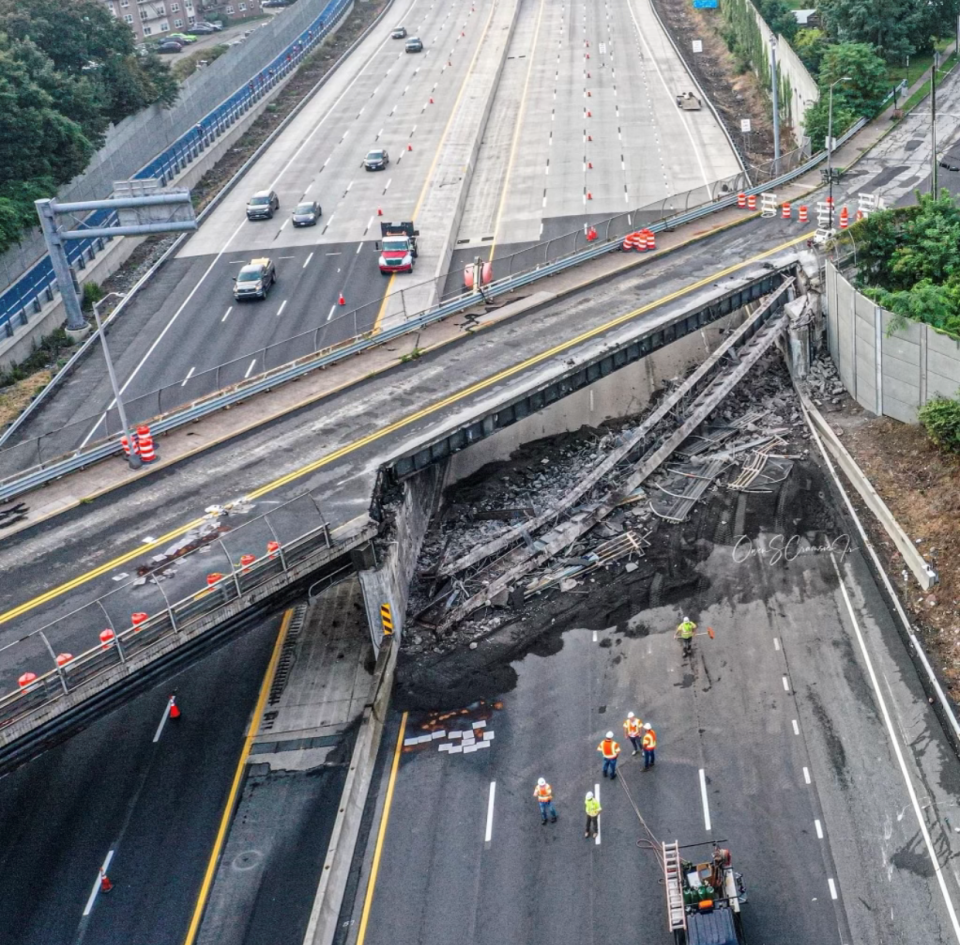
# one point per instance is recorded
(105, 884)
(589, 114)
(174, 708)
(589, 195)
(341, 300)
(589, 137)
(589, 94)
(431, 101)
(379, 211)
(589, 165)
(409, 147)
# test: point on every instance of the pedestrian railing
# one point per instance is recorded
(208, 569)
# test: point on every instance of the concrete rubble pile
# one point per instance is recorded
(708, 430)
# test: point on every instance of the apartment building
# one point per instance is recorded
(156, 17)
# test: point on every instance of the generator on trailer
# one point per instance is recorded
(703, 899)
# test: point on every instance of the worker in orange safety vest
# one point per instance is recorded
(649, 746)
(609, 749)
(633, 729)
(544, 795)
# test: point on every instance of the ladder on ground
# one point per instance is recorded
(673, 882)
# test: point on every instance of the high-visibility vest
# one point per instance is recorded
(650, 740)
(609, 748)
(544, 793)
(686, 629)
(593, 807)
(632, 727)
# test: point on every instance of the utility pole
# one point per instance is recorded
(776, 104)
(933, 123)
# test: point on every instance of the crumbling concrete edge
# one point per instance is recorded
(325, 914)
(914, 640)
(925, 575)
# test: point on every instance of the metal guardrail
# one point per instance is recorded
(26, 481)
(26, 295)
(217, 199)
(282, 525)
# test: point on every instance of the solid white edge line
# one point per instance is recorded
(96, 883)
(901, 761)
(596, 794)
(706, 804)
(163, 721)
(488, 835)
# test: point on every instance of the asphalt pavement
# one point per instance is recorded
(148, 797)
(814, 758)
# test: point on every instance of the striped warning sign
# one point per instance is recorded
(386, 618)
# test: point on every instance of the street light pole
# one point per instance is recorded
(776, 104)
(134, 456)
(933, 123)
(844, 78)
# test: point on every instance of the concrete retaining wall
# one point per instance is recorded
(624, 393)
(390, 582)
(891, 375)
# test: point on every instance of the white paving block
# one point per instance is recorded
(468, 748)
(487, 736)
(455, 750)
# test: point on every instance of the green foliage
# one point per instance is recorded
(810, 45)
(940, 417)
(187, 65)
(897, 28)
(908, 261)
(67, 70)
(91, 293)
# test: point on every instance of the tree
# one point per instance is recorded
(810, 45)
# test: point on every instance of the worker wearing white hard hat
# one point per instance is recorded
(544, 795)
(633, 729)
(593, 809)
(610, 750)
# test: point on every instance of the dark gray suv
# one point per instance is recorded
(263, 205)
(376, 160)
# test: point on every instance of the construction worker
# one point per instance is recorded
(544, 795)
(649, 746)
(593, 812)
(633, 729)
(609, 749)
(684, 634)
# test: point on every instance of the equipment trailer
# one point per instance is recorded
(703, 899)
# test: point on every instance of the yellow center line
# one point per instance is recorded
(516, 132)
(237, 778)
(399, 425)
(436, 157)
(375, 866)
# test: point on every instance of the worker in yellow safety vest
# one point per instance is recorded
(609, 749)
(685, 633)
(649, 746)
(633, 729)
(593, 808)
(544, 795)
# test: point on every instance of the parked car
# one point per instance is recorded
(306, 213)
(255, 280)
(263, 205)
(376, 160)
(414, 45)
(399, 33)
(949, 166)
(201, 30)
(169, 46)
(182, 38)
(216, 27)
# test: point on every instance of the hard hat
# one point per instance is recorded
(686, 620)
(630, 715)
(541, 782)
(647, 725)
(589, 795)
(608, 735)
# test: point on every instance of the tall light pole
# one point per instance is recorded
(933, 123)
(776, 104)
(134, 456)
(843, 78)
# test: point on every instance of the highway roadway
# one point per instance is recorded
(797, 738)
(146, 795)
(184, 333)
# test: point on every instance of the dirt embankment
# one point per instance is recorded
(736, 93)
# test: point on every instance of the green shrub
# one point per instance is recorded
(940, 417)
(91, 293)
